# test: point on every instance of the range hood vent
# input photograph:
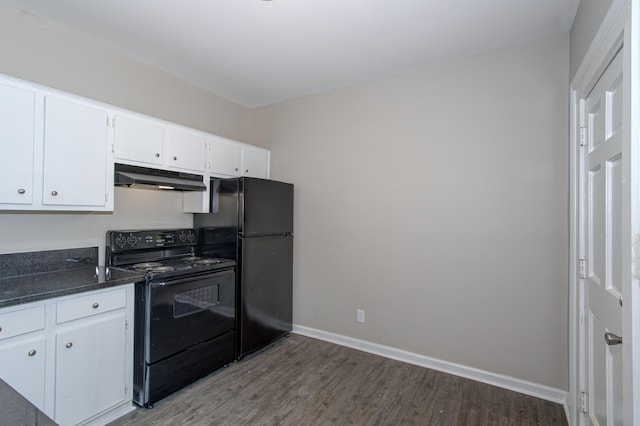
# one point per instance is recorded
(144, 177)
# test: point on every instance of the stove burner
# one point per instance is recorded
(207, 262)
(146, 265)
(159, 269)
(191, 258)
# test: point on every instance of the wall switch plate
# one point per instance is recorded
(360, 315)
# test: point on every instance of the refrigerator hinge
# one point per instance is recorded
(584, 402)
(582, 268)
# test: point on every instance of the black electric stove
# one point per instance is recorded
(184, 309)
(160, 254)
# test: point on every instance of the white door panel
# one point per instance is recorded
(602, 242)
(79, 132)
(17, 113)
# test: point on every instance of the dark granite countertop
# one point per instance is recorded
(15, 410)
(47, 285)
(29, 277)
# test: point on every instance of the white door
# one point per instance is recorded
(603, 214)
(226, 158)
(187, 150)
(90, 367)
(75, 154)
(255, 162)
(23, 366)
(17, 113)
(139, 140)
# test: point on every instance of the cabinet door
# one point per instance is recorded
(226, 158)
(90, 367)
(16, 143)
(255, 162)
(75, 154)
(22, 367)
(139, 140)
(186, 150)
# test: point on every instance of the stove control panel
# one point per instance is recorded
(134, 240)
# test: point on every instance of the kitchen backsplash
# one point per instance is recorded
(17, 264)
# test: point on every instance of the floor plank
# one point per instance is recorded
(304, 381)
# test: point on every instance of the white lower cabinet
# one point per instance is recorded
(90, 377)
(23, 365)
(75, 362)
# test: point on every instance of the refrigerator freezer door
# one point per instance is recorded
(266, 207)
(266, 278)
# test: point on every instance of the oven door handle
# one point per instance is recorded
(178, 281)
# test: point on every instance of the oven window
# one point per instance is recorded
(197, 300)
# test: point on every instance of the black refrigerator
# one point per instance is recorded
(251, 221)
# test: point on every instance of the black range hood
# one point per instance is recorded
(144, 177)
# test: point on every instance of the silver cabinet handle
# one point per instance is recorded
(95, 305)
(0, 328)
(620, 300)
(247, 171)
(236, 169)
(32, 352)
(157, 154)
(611, 339)
(68, 345)
(21, 191)
(175, 158)
(54, 193)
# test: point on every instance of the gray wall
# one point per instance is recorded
(134, 208)
(585, 26)
(436, 201)
(34, 50)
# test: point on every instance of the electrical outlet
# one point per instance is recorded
(360, 315)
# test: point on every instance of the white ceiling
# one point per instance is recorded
(257, 52)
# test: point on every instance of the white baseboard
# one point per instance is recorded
(506, 382)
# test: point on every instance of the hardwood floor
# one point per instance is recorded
(303, 381)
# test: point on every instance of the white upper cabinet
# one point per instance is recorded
(186, 150)
(155, 143)
(226, 157)
(59, 151)
(231, 158)
(75, 154)
(255, 162)
(57, 154)
(139, 141)
(17, 113)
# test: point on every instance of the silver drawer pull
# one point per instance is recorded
(175, 158)
(54, 193)
(68, 345)
(157, 154)
(611, 339)
(21, 191)
(95, 305)
(32, 352)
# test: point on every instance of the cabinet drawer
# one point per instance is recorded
(21, 322)
(92, 304)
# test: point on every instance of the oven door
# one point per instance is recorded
(186, 311)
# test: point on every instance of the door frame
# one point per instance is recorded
(619, 29)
